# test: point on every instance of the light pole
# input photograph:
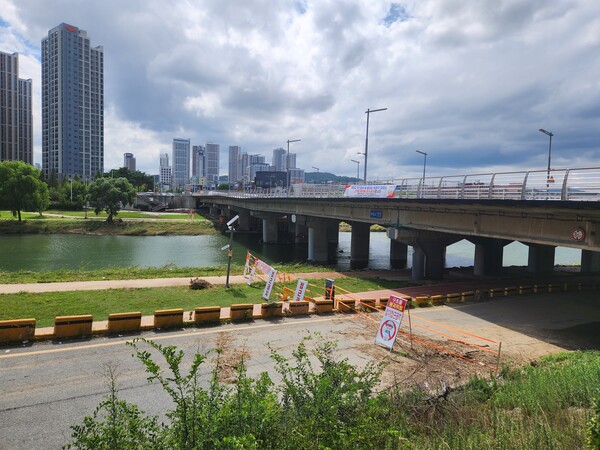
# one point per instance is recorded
(357, 168)
(550, 135)
(424, 165)
(368, 112)
(71, 181)
(316, 168)
(288, 163)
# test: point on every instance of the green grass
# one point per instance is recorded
(45, 306)
(131, 273)
(127, 215)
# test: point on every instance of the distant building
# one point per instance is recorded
(72, 104)
(16, 114)
(198, 164)
(165, 174)
(279, 159)
(235, 166)
(212, 164)
(129, 161)
(296, 176)
(270, 179)
(180, 175)
(291, 161)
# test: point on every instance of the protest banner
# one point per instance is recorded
(390, 323)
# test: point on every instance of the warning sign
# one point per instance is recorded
(390, 323)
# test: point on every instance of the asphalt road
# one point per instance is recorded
(49, 386)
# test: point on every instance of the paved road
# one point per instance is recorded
(48, 386)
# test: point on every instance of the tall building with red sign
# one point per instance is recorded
(72, 104)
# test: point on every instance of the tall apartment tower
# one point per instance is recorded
(165, 170)
(129, 161)
(72, 104)
(16, 113)
(291, 161)
(212, 165)
(180, 163)
(198, 163)
(235, 163)
(279, 159)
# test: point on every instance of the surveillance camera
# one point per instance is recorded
(232, 221)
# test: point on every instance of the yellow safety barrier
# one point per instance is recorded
(467, 296)
(383, 301)
(73, 326)
(323, 306)
(168, 318)
(17, 330)
(241, 311)
(207, 314)
(422, 300)
(437, 299)
(453, 298)
(510, 291)
(274, 309)
(346, 305)
(496, 292)
(124, 322)
(299, 308)
(367, 304)
(525, 290)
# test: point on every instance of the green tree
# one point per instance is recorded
(140, 180)
(21, 188)
(108, 194)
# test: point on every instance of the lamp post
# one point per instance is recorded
(288, 163)
(368, 112)
(357, 168)
(550, 135)
(316, 168)
(71, 181)
(424, 165)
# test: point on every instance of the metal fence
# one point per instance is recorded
(582, 184)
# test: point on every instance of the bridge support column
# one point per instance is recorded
(398, 254)
(317, 241)
(333, 231)
(590, 261)
(418, 264)
(488, 256)
(244, 220)
(270, 231)
(359, 245)
(300, 234)
(214, 211)
(541, 258)
(435, 258)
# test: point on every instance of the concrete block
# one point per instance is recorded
(124, 322)
(17, 330)
(207, 314)
(467, 296)
(512, 290)
(437, 299)
(367, 304)
(453, 298)
(323, 306)
(241, 311)
(346, 305)
(274, 309)
(168, 318)
(525, 290)
(299, 308)
(421, 300)
(73, 326)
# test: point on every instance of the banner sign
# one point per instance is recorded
(251, 277)
(300, 290)
(390, 323)
(269, 285)
(370, 191)
(247, 266)
(263, 267)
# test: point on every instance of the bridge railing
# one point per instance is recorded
(581, 184)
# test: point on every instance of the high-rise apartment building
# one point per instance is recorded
(291, 161)
(180, 163)
(198, 164)
(16, 113)
(212, 165)
(235, 166)
(72, 104)
(165, 170)
(129, 161)
(279, 159)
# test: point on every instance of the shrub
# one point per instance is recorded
(199, 283)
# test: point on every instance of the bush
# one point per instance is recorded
(199, 283)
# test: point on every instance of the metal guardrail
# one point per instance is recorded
(581, 184)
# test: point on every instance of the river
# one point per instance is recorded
(59, 251)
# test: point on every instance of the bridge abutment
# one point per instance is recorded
(590, 261)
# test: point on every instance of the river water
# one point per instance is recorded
(51, 252)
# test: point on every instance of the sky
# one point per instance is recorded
(468, 82)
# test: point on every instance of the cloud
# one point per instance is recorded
(468, 82)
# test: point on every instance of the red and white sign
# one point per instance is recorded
(370, 191)
(263, 267)
(390, 323)
(251, 277)
(578, 234)
(269, 285)
(300, 290)
(247, 266)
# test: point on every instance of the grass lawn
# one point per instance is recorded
(45, 306)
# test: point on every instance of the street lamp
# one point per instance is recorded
(424, 165)
(316, 168)
(357, 168)
(549, 134)
(368, 112)
(288, 163)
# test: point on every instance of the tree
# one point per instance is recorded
(108, 194)
(140, 180)
(21, 188)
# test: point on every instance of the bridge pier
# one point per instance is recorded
(418, 264)
(270, 231)
(398, 254)
(488, 256)
(244, 220)
(359, 245)
(333, 231)
(300, 233)
(590, 261)
(214, 211)
(541, 258)
(317, 240)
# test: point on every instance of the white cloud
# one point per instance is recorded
(468, 82)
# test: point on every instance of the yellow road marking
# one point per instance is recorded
(159, 338)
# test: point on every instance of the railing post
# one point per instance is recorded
(439, 193)
(564, 194)
(462, 191)
(524, 188)
(491, 189)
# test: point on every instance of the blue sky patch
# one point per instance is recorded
(396, 13)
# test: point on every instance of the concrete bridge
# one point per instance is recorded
(540, 209)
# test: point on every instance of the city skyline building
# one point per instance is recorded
(235, 168)
(198, 163)
(165, 174)
(129, 161)
(180, 168)
(72, 104)
(212, 164)
(16, 112)
(279, 159)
